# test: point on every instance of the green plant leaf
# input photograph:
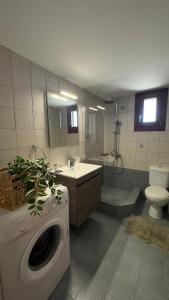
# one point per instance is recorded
(31, 206)
(41, 202)
(31, 201)
(42, 194)
(59, 192)
(30, 192)
(39, 207)
(33, 213)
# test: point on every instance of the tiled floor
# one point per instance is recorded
(107, 264)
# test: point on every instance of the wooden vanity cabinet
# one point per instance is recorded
(84, 195)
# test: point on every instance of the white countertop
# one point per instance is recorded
(79, 170)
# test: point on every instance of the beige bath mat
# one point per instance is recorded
(149, 231)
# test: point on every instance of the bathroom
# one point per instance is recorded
(70, 100)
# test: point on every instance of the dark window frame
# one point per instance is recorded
(71, 129)
(160, 124)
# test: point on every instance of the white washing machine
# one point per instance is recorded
(34, 251)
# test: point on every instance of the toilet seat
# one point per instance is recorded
(156, 193)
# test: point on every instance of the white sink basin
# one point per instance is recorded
(79, 170)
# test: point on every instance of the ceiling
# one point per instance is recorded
(114, 46)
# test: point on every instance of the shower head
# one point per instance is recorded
(110, 100)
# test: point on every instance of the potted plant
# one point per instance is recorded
(36, 178)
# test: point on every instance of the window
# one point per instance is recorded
(72, 119)
(150, 110)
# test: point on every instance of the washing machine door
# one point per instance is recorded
(43, 250)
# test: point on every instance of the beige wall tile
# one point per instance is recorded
(131, 145)
(52, 88)
(21, 80)
(164, 147)
(6, 156)
(25, 138)
(163, 158)
(152, 147)
(130, 126)
(122, 116)
(40, 121)
(37, 71)
(164, 136)
(152, 157)
(24, 119)
(141, 155)
(153, 137)
(51, 77)
(141, 165)
(39, 101)
(5, 74)
(131, 136)
(38, 83)
(7, 139)
(5, 55)
(129, 164)
(41, 138)
(141, 146)
(7, 119)
(22, 100)
(130, 117)
(141, 137)
(131, 104)
(6, 96)
(25, 153)
(20, 62)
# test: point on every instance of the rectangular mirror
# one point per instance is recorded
(62, 120)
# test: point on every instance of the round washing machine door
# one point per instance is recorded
(43, 250)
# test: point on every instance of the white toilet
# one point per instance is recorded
(157, 194)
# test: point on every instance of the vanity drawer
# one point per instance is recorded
(88, 192)
(88, 196)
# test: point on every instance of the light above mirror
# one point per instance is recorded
(69, 95)
(101, 107)
(57, 96)
(92, 108)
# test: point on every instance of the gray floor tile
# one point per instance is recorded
(108, 264)
(124, 282)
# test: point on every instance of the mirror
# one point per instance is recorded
(62, 120)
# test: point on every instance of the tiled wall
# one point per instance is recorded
(141, 149)
(23, 109)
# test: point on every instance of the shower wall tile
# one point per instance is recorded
(146, 148)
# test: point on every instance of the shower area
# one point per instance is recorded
(119, 195)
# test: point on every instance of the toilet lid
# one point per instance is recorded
(157, 192)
